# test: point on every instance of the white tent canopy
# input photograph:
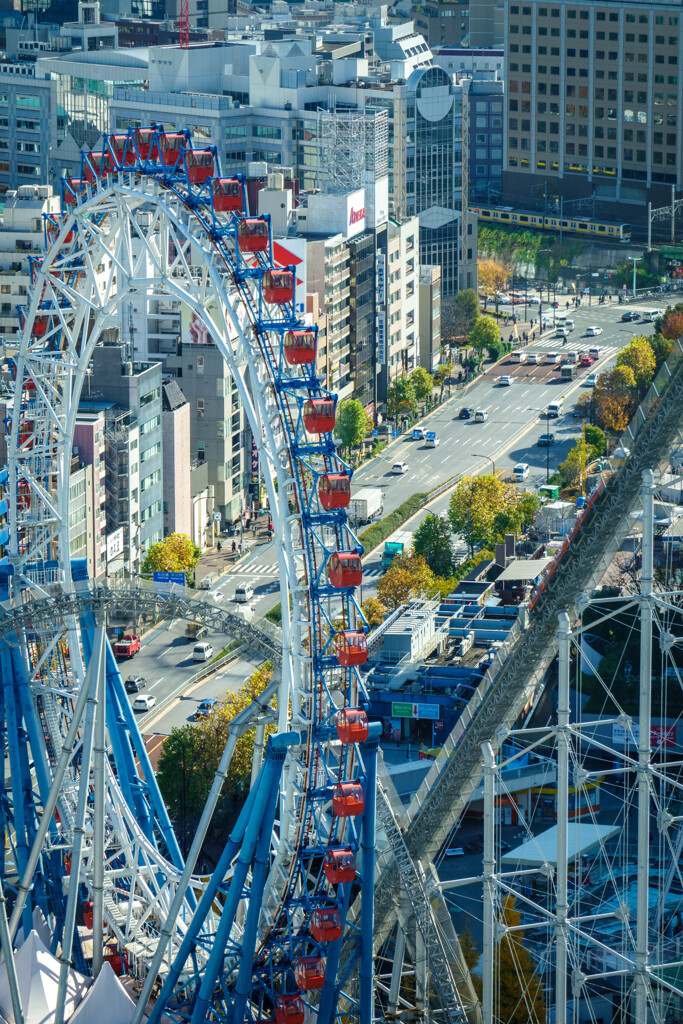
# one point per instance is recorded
(107, 1001)
(38, 978)
(582, 836)
(40, 925)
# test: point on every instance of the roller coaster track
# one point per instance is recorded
(447, 789)
(121, 598)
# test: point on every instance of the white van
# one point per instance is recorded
(202, 652)
(244, 593)
(554, 410)
(521, 471)
(518, 357)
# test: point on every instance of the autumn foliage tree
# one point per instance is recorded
(615, 398)
(177, 553)
(475, 503)
(407, 576)
(191, 754)
(671, 324)
(520, 990)
(374, 611)
(493, 276)
(442, 374)
(640, 358)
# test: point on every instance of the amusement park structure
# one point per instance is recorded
(324, 896)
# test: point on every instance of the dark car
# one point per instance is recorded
(466, 414)
(545, 440)
(135, 683)
(631, 315)
(206, 707)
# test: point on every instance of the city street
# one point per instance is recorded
(515, 420)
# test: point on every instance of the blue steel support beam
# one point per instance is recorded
(264, 813)
(19, 784)
(367, 914)
(330, 990)
(204, 908)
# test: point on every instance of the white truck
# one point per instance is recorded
(366, 505)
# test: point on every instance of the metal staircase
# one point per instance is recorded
(413, 883)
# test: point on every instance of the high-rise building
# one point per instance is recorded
(177, 447)
(594, 93)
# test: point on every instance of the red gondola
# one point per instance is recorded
(334, 491)
(198, 165)
(352, 723)
(227, 195)
(171, 145)
(26, 433)
(144, 140)
(39, 326)
(299, 347)
(252, 234)
(289, 1010)
(351, 648)
(118, 961)
(87, 914)
(345, 569)
(277, 286)
(319, 415)
(340, 866)
(123, 150)
(23, 498)
(309, 973)
(348, 799)
(76, 184)
(326, 924)
(99, 164)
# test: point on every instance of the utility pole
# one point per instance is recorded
(634, 260)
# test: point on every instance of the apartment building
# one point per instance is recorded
(89, 448)
(130, 395)
(218, 432)
(22, 234)
(177, 447)
(594, 95)
(430, 317)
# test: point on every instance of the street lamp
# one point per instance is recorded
(540, 305)
(480, 455)
(207, 498)
(635, 259)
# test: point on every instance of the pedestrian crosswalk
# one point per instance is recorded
(256, 569)
(369, 574)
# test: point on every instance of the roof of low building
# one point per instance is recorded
(524, 569)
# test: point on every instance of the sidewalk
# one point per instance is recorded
(219, 563)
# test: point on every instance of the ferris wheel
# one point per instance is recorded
(151, 211)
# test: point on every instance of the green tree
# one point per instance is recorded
(466, 311)
(486, 335)
(661, 347)
(614, 398)
(474, 504)
(595, 439)
(353, 423)
(640, 358)
(407, 576)
(574, 466)
(442, 373)
(527, 507)
(177, 553)
(423, 384)
(432, 540)
(401, 397)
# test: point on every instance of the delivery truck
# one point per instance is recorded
(366, 505)
(400, 544)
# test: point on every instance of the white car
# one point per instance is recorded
(592, 380)
(593, 331)
(504, 300)
(506, 381)
(399, 467)
(217, 595)
(480, 416)
(144, 703)
(533, 300)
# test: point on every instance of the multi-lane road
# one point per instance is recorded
(515, 420)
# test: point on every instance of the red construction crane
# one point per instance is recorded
(184, 24)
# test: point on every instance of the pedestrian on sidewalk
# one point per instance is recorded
(219, 547)
(234, 547)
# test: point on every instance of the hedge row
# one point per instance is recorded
(375, 534)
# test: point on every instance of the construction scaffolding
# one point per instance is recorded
(354, 149)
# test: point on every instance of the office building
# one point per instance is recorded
(89, 448)
(31, 127)
(430, 317)
(22, 234)
(594, 95)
